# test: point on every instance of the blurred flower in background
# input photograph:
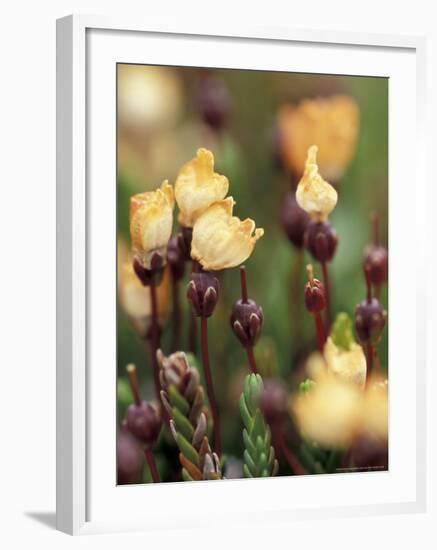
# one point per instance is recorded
(329, 122)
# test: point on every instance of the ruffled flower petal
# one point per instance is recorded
(151, 222)
(198, 186)
(315, 195)
(221, 240)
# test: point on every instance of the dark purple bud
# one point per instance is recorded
(154, 274)
(213, 100)
(321, 240)
(273, 401)
(203, 291)
(294, 220)
(176, 257)
(369, 321)
(128, 458)
(375, 263)
(143, 422)
(247, 319)
(315, 300)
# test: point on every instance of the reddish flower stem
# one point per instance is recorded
(370, 350)
(133, 381)
(243, 280)
(154, 343)
(152, 465)
(326, 283)
(209, 385)
(177, 317)
(192, 326)
(320, 331)
(288, 455)
(251, 359)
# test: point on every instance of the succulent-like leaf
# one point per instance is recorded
(183, 398)
(259, 455)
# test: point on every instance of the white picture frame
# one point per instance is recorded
(80, 487)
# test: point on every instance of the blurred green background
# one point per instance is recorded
(160, 128)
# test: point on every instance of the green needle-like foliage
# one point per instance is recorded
(259, 455)
(183, 398)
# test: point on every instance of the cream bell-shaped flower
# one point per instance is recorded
(330, 413)
(198, 186)
(221, 240)
(313, 194)
(349, 365)
(151, 222)
(135, 298)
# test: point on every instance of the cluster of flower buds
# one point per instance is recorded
(143, 419)
(247, 316)
(213, 101)
(203, 292)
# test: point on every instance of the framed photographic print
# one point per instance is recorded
(240, 332)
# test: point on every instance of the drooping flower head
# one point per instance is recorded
(344, 357)
(198, 186)
(221, 240)
(315, 195)
(151, 222)
(330, 122)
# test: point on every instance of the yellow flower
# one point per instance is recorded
(198, 186)
(151, 222)
(330, 412)
(375, 409)
(315, 195)
(330, 122)
(135, 298)
(221, 240)
(347, 364)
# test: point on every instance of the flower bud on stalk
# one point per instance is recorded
(375, 261)
(143, 421)
(315, 302)
(370, 321)
(203, 292)
(247, 319)
(318, 198)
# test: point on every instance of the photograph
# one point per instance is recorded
(252, 274)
